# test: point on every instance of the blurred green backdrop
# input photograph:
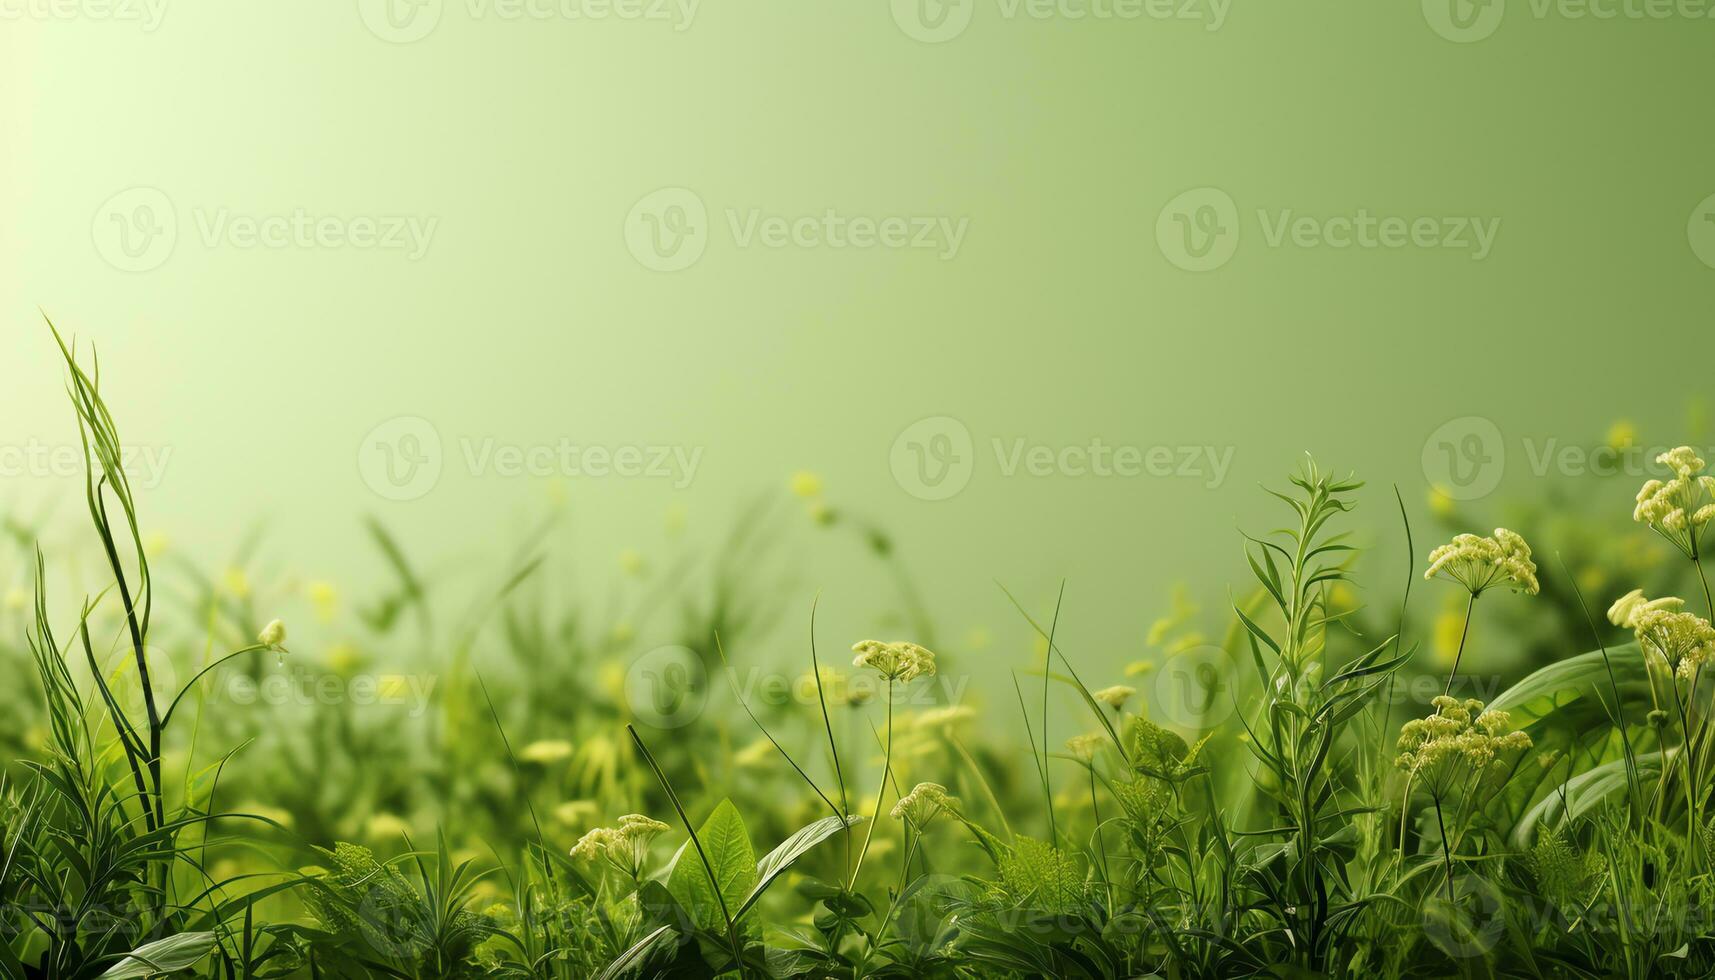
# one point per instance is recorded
(291, 227)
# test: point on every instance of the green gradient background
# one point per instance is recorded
(1058, 321)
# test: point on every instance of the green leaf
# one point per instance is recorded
(168, 955)
(726, 844)
(776, 862)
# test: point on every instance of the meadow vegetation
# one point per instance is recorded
(1311, 812)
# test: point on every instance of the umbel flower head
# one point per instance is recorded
(626, 846)
(924, 803)
(1086, 746)
(897, 661)
(1460, 744)
(1479, 563)
(1115, 697)
(1685, 640)
(1678, 509)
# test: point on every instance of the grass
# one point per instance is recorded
(1306, 819)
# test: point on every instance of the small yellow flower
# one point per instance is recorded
(806, 484)
(236, 583)
(1622, 435)
(1680, 508)
(1086, 746)
(631, 562)
(1441, 503)
(272, 635)
(1115, 697)
(325, 598)
(546, 752)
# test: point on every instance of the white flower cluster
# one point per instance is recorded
(1679, 508)
(924, 803)
(898, 661)
(1459, 740)
(626, 846)
(1685, 640)
(1479, 563)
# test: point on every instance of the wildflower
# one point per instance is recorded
(1086, 745)
(546, 752)
(325, 598)
(1460, 742)
(806, 485)
(924, 803)
(236, 582)
(1479, 563)
(950, 716)
(1139, 668)
(1115, 697)
(1622, 435)
(898, 661)
(1678, 509)
(574, 812)
(272, 635)
(625, 847)
(1441, 502)
(631, 561)
(1684, 640)
(754, 754)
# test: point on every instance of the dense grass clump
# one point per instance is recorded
(1302, 813)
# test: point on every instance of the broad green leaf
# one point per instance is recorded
(168, 955)
(726, 844)
(776, 862)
